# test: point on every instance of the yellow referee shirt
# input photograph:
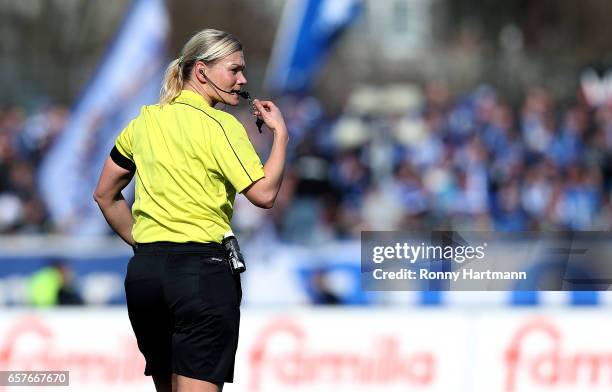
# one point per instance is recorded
(190, 160)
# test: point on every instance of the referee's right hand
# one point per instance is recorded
(271, 116)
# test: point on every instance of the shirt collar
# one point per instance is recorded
(192, 98)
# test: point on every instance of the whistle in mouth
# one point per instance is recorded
(245, 94)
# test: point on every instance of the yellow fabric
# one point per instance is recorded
(191, 159)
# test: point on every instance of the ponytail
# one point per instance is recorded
(173, 82)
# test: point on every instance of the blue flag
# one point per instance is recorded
(307, 31)
(128, 77)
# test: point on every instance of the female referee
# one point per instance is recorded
(190, 160)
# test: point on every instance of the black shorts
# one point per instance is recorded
(183, 303)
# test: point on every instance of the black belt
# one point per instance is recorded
(209, 249)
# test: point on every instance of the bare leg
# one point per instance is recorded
(186, 384)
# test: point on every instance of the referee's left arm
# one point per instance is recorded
(263, 193)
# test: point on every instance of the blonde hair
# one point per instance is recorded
(208, 46)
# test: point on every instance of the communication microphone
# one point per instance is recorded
(243, 94)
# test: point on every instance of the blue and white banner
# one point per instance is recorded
(307, 31)
(128, 77)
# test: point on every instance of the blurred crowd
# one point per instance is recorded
(469, 162)
(24, 139)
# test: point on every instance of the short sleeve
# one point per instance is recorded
(236, 157)
(123, 143)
